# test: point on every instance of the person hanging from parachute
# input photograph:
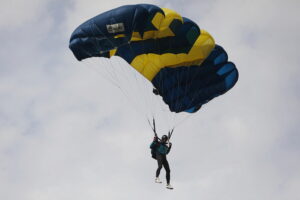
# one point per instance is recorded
(183, 63)
(160, 148)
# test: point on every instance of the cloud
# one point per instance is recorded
(16, 13)
(67, 133)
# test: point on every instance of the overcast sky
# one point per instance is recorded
(66, 133)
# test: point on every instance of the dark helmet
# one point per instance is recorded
(164, 138)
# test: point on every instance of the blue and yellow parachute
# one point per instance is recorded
(181, 60)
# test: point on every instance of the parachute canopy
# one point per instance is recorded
(181, 60)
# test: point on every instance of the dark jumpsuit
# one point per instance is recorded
(161, 156)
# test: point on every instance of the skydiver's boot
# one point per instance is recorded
(169, 186)
(157, 180)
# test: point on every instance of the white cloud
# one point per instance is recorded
(65, 133)
(16, 13)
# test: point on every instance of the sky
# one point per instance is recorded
(68, 133)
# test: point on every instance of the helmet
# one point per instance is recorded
(164, 138)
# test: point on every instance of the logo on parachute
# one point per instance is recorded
(115, 28)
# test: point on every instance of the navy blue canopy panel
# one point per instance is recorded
(100, 34)
(185, 37)
(188, 88)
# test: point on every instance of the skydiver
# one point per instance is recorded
(161, 148)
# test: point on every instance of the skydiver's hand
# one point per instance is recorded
(170, 144)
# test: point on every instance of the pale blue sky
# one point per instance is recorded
(67, 133)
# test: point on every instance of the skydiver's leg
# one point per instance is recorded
(167, 168)
(160, 163)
